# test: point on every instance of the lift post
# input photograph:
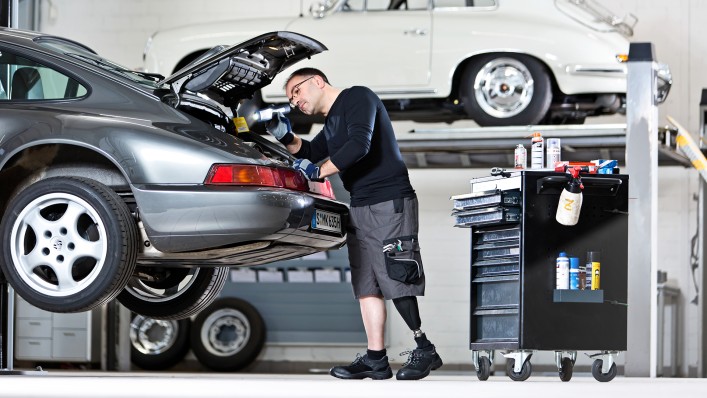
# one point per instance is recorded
(642, 164)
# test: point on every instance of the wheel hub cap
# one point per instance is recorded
(503, 87)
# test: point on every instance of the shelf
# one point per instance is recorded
(577, 296)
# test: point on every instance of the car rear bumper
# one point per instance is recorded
(179, 219)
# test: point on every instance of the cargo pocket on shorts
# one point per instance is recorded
(403, 261)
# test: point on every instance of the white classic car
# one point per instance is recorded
(499, 62)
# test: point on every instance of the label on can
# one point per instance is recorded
(562, 270)
(574, 273)
(582, 277)
(596, 268)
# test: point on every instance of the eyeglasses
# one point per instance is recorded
(295, 91)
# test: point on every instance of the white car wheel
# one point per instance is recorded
(70, 246)
(502, 90)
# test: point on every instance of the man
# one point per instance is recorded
(358, 143)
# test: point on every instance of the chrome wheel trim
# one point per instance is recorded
(74, 240)
(152, 336)
(138, 288)
(225, 320)
(503, 87)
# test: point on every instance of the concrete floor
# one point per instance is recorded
(439, 384)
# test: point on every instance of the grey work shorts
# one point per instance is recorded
(369, 229)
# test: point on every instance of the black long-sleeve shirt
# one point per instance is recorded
(358, 138)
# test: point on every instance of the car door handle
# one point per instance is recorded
(416, 32)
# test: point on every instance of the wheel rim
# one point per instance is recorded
(59, 244)
(154, 294)
(225, 332)
(503, 87)
(152, 336)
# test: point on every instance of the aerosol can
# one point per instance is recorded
(570, 200)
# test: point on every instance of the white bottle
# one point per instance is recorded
(570, 203)
(537, 151)
(562, 271)
(553, 152)
(520, 157)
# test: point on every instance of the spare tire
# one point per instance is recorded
(228, 335)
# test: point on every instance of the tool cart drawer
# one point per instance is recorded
(496, 291)
(496, 325)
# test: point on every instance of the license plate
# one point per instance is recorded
(325, 221)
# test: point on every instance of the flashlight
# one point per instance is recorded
(266, 114)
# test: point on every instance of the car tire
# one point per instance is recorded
(68, 224)
(506, 90)
(158, 344)
(179, 292)
(228, 335)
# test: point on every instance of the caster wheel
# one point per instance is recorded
(566, 372)
(484, 369)
(524, 371)
(603, 377)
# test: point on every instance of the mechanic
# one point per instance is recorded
(358, 142)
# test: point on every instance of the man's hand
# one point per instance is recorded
(279, 126)
(309, 169)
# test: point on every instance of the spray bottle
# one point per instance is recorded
(570, 200)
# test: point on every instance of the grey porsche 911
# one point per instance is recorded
(117, 183)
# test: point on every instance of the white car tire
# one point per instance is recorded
(506, 89)
(70, 244)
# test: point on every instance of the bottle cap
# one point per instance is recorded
(536, 134)
(562, 254)
(574, 263)
(593, 257)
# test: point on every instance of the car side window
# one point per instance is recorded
(393, 5)
(24, 79)
(464, 3)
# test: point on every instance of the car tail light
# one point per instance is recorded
(245, 174)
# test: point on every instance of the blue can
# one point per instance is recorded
(574, 273)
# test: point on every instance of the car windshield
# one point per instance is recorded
(85, 54)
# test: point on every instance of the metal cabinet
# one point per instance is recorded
(514, 304)
(45, 336)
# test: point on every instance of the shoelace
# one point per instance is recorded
(413, 357)
(358, 359)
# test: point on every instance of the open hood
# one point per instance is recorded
(228, 74)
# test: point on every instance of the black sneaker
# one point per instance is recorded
(363, 367)
(419, 364)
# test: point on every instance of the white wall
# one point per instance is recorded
(119, 30)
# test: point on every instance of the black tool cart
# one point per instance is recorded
(515, 240)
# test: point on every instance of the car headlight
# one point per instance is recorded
(665, 81)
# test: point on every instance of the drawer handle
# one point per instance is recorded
(69, 334)
(35, 323)
(33, 343)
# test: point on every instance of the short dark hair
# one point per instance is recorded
(308, 72)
